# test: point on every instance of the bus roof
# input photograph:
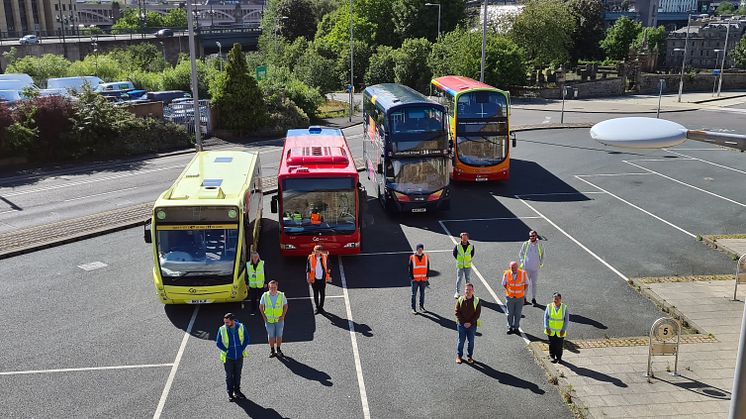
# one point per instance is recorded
(316, 150)
(390, 95)
(457, 84)
(212, 178)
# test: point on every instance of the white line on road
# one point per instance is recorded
(172, 374)
(399, 252)
(701, 149)
(353, 338)
(639, 208)
(664, 160)
(485, 219)
(99, 194)
(558, 193)
(7, 211)
(722, 166)
(484, 281)
(582, 246)
(309, 297)
(113, 367)
(686, 184)
(616, 174)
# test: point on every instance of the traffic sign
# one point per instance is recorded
(664, 341)
(716, 72)
(261, 72)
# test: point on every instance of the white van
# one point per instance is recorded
(73, 84)
(17, 76)
(16, 84)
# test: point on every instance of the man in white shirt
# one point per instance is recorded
(531, 256)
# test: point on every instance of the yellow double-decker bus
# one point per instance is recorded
(203, 228)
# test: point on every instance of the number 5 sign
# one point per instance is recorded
(664, 341)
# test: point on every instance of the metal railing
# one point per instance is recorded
(182, 113)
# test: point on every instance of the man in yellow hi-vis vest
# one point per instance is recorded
(463, 253)
(255, 279)
(232, 340)
(274, 308)
(556, 320)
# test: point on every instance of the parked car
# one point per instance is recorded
(119, 89)
(17, 76)
(10, 97)
(164, 33)
(29, 40)
(16, 85)
(168, 96)
(73, 84)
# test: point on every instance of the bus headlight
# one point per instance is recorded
(435, 195)
(352, 245)
(287, 247)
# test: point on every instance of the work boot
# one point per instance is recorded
(533, 301)
(525, 302)
(272, 353)
(470, 360)
(238, 394)
(231, 397)
(422, 308)
(279, 352)
(414, 311)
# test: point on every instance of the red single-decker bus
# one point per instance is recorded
(318, 194)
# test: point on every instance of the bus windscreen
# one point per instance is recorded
(481, 105)
(417, 175)
(201, 254)
(319, 206)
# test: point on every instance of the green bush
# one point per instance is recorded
(145, 80)
(104, 66)
(180, 77)
(40, 68)
(317, 71)
(307, 98)
(411, 67)
(381, 66)
(236, 96)
(282, 113)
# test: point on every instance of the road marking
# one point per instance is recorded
(85, 369)
(486, 219)
(172, 374)
(353, 338)
(686, 184)
(484, 281)
(7, 211)
(558, 193)
(400, 252)
(92, 266)
(700, 149)
(98, 194)
(616, 174)
(639, 208)
(582, 246)
(85, 182)
(664, 160)
(722, 166)
(310, 297)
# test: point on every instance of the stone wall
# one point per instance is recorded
(586, 90)
(702, 82)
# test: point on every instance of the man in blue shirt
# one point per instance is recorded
(232, 340)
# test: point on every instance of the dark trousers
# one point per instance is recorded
(555, 346)
(465, 334)
(319, 292)
(233, 374)
(254, 295)
(415, 286)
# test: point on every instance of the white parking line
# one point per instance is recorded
(309, 297)
(664, 160)
(172, 374)
(99, 194)
(639, 208)
(616, 174)
(399, 252)
(722, 166)
(686, 184)
(486, 219)
(582, 246)
(558, 193)
(353, 338)
(484, 281)
(85, 369)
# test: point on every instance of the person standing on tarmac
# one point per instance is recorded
(274, 308)
(556, 320)
(255, 279)
(468, 310)
(463, 253)
(419, 272)
(318, 274)
(232, 340)
(531, 256)
(514, 282)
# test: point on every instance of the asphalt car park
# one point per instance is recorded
(85, 335)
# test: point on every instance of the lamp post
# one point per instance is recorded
(195, 90)
(717, 58)
(163, 48)
(683, 60)
(62, 28)
(94, 45)
(725, 53)
(436, 4)
(220, 54)
(352, 73)
(484, 42)
(142, 15)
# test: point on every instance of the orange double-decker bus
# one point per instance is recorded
(478, 128)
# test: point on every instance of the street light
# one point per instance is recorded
(717, 58)
(436, 4)
(683, 59)
(725, 53)
(484, 43)
(195, 90)
(220, 54)
(94, 45)
(62, 28)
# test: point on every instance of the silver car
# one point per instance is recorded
(29, 40)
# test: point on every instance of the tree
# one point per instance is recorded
(40, 68)
(589, 28)
(175, 18)
(619, 38)
(290, 19)
(237, 97)
(362, 55)
(333, 33)
(739, 53)
(129, 22)
(544, 30)
(411, 67)
(459, 53)
(317, 71)
(412, 19)
(651, 39)
(144, 56)
(741, 11)
(381, 66)
(725, 8)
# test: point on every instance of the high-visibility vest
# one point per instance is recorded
(226, 342)
(296, 216)
(315, 218)
(273, 312)
(312, 271)
(256, 276)
(524, 252)
(556, 319)
(419, 268)
(515, 289)
(475, 302)
(463, 258)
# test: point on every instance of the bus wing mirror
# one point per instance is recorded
(273, 204)
(147, 232)
(513, 139)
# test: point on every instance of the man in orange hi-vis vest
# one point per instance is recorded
(419, 271)
(515, 283)
(318, 274)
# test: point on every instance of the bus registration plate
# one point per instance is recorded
(419, 209)
(481, 179)
(198, 301)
